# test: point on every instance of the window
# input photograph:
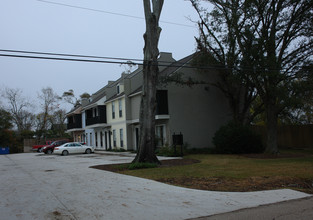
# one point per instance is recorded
(114, 138)
(118, 89)
(160, 135)
(162, 102)
(101, 139)
(91, 139)
(120, 108)
(96, 138)
(121, 138)
(113, 110)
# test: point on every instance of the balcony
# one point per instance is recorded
(96, 120)
(74, 122)
(74, 125)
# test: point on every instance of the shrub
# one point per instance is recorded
(235, 138)
(135, 166)
(167, 151)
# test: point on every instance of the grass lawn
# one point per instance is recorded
(292, 169)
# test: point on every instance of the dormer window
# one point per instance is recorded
(118, 89)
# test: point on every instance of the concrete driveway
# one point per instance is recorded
(37, 186)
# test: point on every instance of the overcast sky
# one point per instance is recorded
(88, 27)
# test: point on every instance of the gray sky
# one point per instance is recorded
(34, 25)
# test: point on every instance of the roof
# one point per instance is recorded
(75, 110)
(97, 96)
(177, 65)
(115, 96)
(139, 89)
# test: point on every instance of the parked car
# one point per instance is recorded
(73, 148)
(39, 147)
(50, 148)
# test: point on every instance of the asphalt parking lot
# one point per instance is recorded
(38, 186)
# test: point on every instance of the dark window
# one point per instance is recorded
(120, 108)
(114, 138)
(162, 102)
(121, 138)
(113, 110)
(96, 137)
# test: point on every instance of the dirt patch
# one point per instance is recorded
(274, 156)
(242, 185)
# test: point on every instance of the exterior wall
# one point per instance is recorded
(117, 123)
(89, 137)
(135, 106)
(197, 112)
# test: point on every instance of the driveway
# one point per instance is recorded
(37, 186)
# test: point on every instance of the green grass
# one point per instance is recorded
(233, 166)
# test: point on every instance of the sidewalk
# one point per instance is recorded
(300, 209)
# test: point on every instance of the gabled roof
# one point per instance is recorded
(115, 96)
(97, 96)
(75, 110)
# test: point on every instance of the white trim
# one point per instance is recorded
(123, 96)
(134, 121)
(97, 126)
(157, 117)
(75, 129)
(135, 94)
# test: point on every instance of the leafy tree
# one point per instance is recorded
(217, 46)
(150, 77)
(70, 97)
(274, 39)
(85, 95)
(6, 135)
(5, 120)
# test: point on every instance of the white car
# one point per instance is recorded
(73, 148)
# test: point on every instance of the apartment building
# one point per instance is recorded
(192, 107)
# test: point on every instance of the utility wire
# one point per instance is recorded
(116, 60)
(108, 61)
(68, 55)
(83, 56)
(112, 13)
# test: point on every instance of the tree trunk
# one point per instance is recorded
(146, 149)
(271, 145)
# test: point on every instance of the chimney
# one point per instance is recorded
(85, 101)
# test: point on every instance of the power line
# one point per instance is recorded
(117, 60)
(112, 13)
(107, 60)
(63, 59)
(83, 56)
(68, 55)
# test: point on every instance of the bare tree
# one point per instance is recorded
(18, 106)
(152, 9)
(49, 104)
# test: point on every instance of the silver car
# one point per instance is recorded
(73, 148)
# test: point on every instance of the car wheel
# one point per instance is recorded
(49, 152)
(65, 153)
(88, 151)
